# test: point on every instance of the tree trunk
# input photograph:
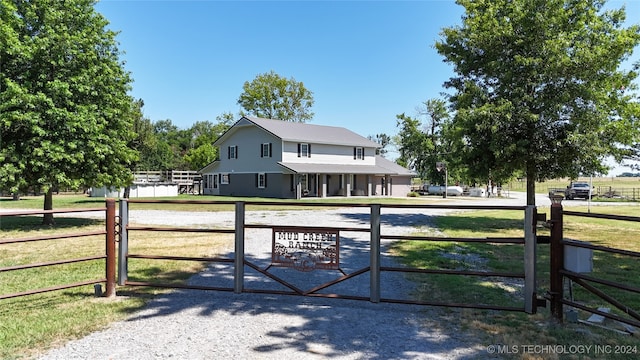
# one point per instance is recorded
(48, 205)
(16, 196)
(531, 188)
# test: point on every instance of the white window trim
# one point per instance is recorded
(224, 179)
(304, 150)
(261, 180)
(265, 150)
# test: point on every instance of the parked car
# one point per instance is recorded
(579, 190)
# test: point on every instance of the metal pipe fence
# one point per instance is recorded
(108, 256)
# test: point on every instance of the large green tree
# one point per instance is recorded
(65, 116)
(414, 145)
(539, 89)
(272, 96)
(421, 141)
(203, 134)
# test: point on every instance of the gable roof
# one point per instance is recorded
(393, 168)
(301, 132)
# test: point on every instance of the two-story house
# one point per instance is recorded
(273, 158)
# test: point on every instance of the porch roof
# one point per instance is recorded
(304, 168)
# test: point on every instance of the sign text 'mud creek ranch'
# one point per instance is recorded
(306, 249)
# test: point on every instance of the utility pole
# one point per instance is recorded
(442, 166)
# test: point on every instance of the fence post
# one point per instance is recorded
(238, 270)
(111, 248)
(556, 258)
(123, 248)
(530, 219)
(374, 248)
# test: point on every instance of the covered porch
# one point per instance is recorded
(320, 180)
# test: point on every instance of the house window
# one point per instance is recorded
(224, 178)
(358, 153)
(210, 180)
(304, 150)
(206, 182)
(233, 152)
(215, 181)
(265, 150)
(262, 180)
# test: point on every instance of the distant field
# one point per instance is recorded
(542, 187)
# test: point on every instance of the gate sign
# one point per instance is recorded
(306, 249)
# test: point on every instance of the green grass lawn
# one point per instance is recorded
(496, 327)
(31, 324)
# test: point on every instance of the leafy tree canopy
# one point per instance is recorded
(164, 146)
(539, 89)
(65, 116)
(271, 96)
(421, 142)
(384, 140)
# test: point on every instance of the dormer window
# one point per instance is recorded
(358, 153)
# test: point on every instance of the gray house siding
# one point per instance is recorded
(246, 184)
(400, 185)
(391, 185)
(247, 141)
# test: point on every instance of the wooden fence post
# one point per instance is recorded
(556, 258)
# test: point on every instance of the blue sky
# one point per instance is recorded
(364, 61)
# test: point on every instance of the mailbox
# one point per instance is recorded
(578, 259)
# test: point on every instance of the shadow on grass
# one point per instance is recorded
(415, 219)
(34, 223)
(478, 224)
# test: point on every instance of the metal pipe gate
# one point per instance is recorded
(374, 267)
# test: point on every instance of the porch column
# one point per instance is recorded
(386, 185)
(347, 186)
(369, 191)
(298, 186)
(323, 185)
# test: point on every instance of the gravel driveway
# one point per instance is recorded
(191, 324)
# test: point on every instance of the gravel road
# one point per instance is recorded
(191, 324)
